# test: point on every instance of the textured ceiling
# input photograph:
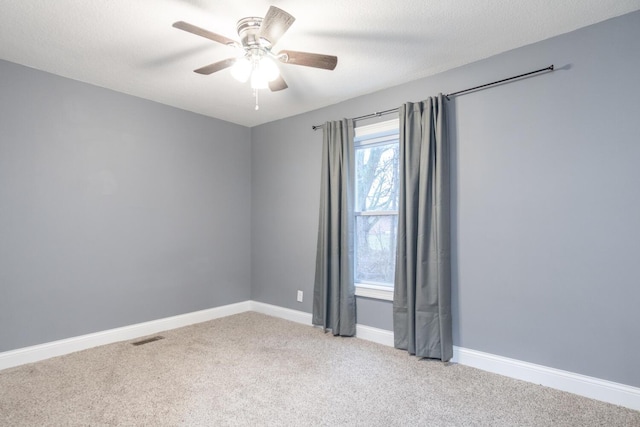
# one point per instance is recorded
(131, 47)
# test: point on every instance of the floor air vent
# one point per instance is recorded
(148, 340)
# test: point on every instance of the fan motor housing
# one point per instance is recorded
(248, 30)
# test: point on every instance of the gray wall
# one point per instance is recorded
(114, 210)
(546, 203)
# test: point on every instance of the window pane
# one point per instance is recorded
(377, 177)
(376, 248)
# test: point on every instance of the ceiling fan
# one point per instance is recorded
(255, 60)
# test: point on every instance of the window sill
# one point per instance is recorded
(374, 291)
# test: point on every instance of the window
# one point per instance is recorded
(376, 208)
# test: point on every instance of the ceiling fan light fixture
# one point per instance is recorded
(241, 70)
(258, 81)
(264, 71)
(268, 68)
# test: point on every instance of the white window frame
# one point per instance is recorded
(364, 135)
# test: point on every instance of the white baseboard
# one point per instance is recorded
(39, 352)
(281, 312)
(594, 388)
(380, 336)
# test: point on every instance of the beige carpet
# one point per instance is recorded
(252, 369)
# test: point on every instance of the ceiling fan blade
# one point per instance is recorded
(275, 23)
(316, 60)
(278, 84)
(216, 66)
(185, 26)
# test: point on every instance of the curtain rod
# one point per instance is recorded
(460, 92)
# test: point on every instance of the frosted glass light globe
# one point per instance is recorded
(269, 69)
(257, 80)
(241, 70)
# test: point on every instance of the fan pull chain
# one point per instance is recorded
(255, 94)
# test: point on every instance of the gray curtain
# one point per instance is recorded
(334, 301)
(422, 290)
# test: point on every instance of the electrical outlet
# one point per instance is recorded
(299, 296)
